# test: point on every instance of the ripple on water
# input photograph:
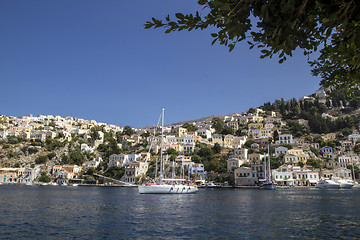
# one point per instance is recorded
(119, 213)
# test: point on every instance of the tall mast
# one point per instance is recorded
(265, 168)
(156, 162)
(173, 170)
(352, 164)
(269, 162)
(162, 143)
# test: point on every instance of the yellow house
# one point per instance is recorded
(9, 175)
(255, 126)
(228, 140)
(296, 151)
(217, 138)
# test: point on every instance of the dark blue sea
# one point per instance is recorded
(48, 212)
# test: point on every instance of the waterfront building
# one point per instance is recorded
(134, 170)
(258, 171)
(306, 177)
(197, 171)
(243, 177)
(283, 178)
(340, 173)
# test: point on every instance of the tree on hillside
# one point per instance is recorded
(127, 130)
(190, 127)
(218, 124)
(94, 133)
(278, 27)
(217, 148)
(227, 130)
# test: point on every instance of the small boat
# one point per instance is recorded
(327, 184)
(212, 185)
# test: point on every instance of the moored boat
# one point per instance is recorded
(167, 189)
(327, 184)
(162, 187)
(268, 185)
(211, 185)
(344, 184)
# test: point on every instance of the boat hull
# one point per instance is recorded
(346, 185)
(167, 189)
(268, 187)
(327, 184)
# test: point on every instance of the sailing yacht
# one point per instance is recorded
(165, 187)
(268, 184)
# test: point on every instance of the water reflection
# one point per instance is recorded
(118, 213)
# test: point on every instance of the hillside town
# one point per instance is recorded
(308, 139)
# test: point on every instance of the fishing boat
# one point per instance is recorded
(267, 184)
(165, 186)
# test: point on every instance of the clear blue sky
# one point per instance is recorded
(93, 59)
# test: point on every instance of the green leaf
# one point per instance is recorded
(148, 25)
(214, 34)
(179, 15)
(202, 2)
(231, 47)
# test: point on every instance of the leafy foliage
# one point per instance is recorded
(109, 148)
(212, 162)
(32, 150)
(115, 172)
(314, 163)
(127, 130)
(44, 178)
(218, 124)
(190, 127)
(41, 159)
(278, 27)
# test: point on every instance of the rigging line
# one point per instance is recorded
(151, 143)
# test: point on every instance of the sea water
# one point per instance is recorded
(50, 212)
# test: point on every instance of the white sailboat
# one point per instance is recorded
(268, 184)
(169, 187)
